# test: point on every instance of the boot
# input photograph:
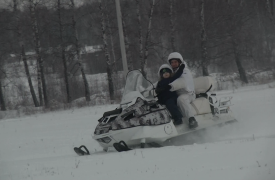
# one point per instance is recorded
(192, 123)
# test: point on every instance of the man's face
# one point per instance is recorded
(174, 63)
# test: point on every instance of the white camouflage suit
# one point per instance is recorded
(184, 86)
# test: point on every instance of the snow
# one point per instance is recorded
(40, 147)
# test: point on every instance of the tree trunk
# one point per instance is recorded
(41, 76)
(269, 6)
(140, 37)
(69, 99)
(39, 85)
(172, 28)
(35, 101)
(204, 58)
(86, 85)
(127, 46)
(15, 6)
(108, 63)
(67, 85)
(23, 55)
(112, 41)
(147, 38)
(2, 101)
(239, 63)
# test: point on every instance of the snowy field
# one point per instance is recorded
(40, 147)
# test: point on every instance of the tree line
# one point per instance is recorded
(213, 36)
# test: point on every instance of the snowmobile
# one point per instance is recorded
(141, 120)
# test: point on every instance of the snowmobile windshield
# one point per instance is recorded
(137, 86)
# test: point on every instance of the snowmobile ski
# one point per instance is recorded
(121, 146)
(81, 150)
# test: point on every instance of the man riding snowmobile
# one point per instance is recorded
(184, 86)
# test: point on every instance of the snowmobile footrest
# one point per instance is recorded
(121, 146)
(81, 150)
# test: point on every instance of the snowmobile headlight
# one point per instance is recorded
(106, 140)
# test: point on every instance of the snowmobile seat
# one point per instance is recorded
(203, 85)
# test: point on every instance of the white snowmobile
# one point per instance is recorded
(141, 120)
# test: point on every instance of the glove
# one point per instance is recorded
(166, 88)
(182, 66)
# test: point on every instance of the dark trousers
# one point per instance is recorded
(171, 105)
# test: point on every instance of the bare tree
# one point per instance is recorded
(110, 32)
(238, 60)
(147, 39)
(143, 53)
(2, 101)
(107, 56)
(204, 59)
(40, 69)
(237, 22)
(127, 44)
(230, 36)
(140, 36)
(63, 55)
(269, 6)
(2, 73)
(23, 55)
(78, 56)
(172, 27)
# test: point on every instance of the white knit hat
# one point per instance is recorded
(163, 67)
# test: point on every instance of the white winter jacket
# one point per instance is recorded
(184, 84)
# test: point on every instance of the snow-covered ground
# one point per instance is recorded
(40, 147)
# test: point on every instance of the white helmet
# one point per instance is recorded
(164, 66)
(176, 55)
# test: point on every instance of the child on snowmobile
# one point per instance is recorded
(165, 96)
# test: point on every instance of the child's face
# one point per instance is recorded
(166, 75)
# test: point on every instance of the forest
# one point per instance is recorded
(50, 49)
